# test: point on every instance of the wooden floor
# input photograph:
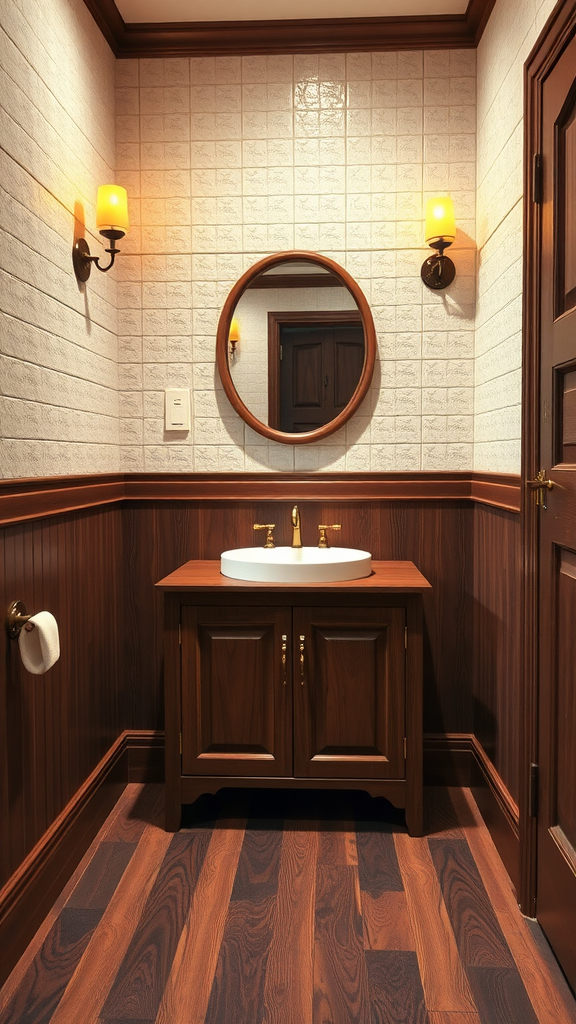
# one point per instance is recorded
(287, 908)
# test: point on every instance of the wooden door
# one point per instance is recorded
(556, 870)
(319, 372)
(349, 693)
(236, 691)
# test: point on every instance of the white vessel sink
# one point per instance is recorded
(295, 565)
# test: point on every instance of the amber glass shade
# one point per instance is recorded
(112, 209)
(440, 223)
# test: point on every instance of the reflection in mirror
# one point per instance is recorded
(301, 351)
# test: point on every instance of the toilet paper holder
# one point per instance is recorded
(17, 617)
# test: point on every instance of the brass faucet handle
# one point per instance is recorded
(322, 527)
(269, 527)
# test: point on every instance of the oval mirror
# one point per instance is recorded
(295, 347)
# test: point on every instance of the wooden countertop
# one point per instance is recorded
(387, 577)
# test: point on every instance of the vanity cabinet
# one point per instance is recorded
(316, 685)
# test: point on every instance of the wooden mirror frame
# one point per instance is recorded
(222, 344)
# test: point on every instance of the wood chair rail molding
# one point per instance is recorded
(205, 39)
(36, 498)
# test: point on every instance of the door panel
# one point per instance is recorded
(565, 761)
(319, 372)
(349, 693)
(348, 362)
(235, 694)
(565, 242)
(556, 871)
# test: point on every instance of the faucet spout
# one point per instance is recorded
(296, 535)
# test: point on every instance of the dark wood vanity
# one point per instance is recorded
(306, 686)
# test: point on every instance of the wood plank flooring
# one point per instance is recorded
(287, 908)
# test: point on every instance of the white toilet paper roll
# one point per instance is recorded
(40, 647)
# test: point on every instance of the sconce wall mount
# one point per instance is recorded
(438, 271)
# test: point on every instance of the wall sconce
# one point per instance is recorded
(234, 336)
(439, 271)
(111, 221)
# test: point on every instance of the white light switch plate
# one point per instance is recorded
(177, 409)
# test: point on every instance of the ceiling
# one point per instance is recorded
(138, 11)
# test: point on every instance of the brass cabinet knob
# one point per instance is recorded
(284, 649)
(322, 527)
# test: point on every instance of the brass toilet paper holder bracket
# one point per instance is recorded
(17, 617)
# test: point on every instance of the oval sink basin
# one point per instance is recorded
(295, 565)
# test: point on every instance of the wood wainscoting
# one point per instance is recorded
(90, 549)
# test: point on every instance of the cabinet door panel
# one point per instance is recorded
(235, 695)
(349, 701)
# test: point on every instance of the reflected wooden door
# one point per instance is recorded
(315, 361)
(556, 870)
(319, 372)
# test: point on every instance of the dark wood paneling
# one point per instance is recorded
(295, 36)
(58, 725)
(496, 609)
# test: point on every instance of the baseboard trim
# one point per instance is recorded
(459, 759)
(31, 891)
(498, 809)
(145, 750)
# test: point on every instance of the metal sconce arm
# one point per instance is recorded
(83, 260)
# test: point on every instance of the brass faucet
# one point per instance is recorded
(296, 535)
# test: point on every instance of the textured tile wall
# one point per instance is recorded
(58, 349)
(511, 32)
(227, 159)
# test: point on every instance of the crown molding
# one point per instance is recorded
(203, 39)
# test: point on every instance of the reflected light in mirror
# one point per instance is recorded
(234, 336)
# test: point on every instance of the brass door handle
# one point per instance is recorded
(284, 648)
(302, 651)
(540, 484)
